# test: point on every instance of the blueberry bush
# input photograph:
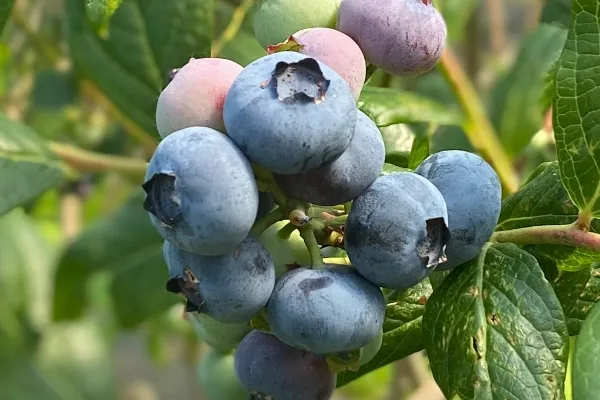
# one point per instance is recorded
(302, 195)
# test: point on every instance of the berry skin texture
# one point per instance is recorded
(396, 230)
(217, 377)
(268, 367)
(345, 178)
(231, 288)
(286, 253)
(333, 48)
(196, 95)
(276, 20)
(290, 113)
(327, 310)
(402, 37)
(201, 193)
(218, 335)
(473, 195)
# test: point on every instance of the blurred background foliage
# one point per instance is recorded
(83, 310)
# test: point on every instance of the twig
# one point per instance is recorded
(568, 235)
(265, 222)
(478, 127)
(237, 19)
(85, 160)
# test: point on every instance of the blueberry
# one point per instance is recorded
(216, 374)
(270, 369)
(290, 113)
(332, 47)
(345, 178)
(231, 288)
(473, 196)
(327, 310)
(396, 231)
(218, 335)
(276, 20)
(195, 95)
(201, 191)
(402, 37)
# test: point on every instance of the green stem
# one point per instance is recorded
(265, 222)
(85, 160)
(43, 47)
(231, 31)
(308, 234)
(347, 207)
(337, 222)
(568, 235)
(478, 127)
(267, 176)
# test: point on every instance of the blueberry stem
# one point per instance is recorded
(568, 235)
(307, 233)
(371, 69)
(265, 222)
(347, 207)
(337, 222)
(477, 125)
(267, 179)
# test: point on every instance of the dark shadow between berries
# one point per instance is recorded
(432, 250)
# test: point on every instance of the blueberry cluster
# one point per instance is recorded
(293, 320)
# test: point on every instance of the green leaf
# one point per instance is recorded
(5, 9)
(557, 12)
(402, 334)
(586, 363)
(100, 11)
(146, 40)
(391, 106)
(419, 150)
(519, 106)
(26, 266)
(127, 245)
(28, 168)
(578, 292)
(495, 329)
(543, 200)
(577, 108)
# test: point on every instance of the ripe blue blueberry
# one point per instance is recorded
(346, 177)
(290, 113)
(231, 288)
(396, 231)
(270, 369)
(327, 310)
(201, 194)
(473, 196)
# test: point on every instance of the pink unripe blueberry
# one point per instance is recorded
(196, 95)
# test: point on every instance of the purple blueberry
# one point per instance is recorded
(402, 37)
(345, 178)
(270, 369)
(290, 113)
(397, 230)
(473, 196)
